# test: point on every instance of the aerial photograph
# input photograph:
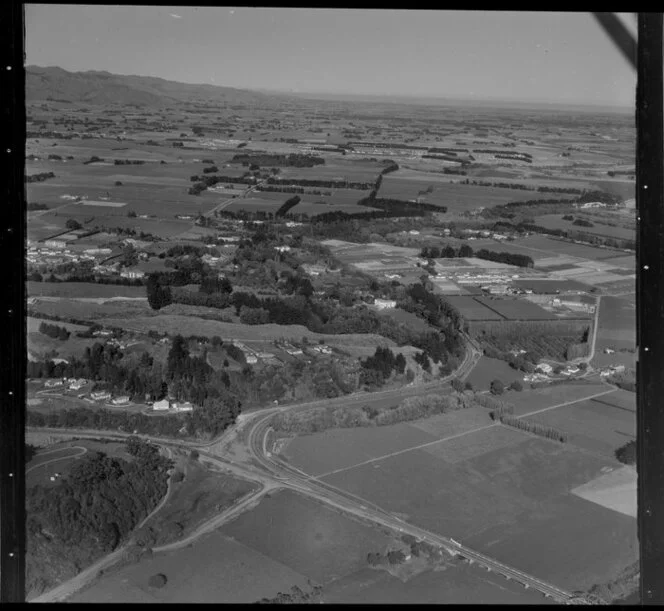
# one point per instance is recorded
(329, 306)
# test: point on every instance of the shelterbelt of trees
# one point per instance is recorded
(449, 252)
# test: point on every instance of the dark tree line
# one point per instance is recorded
(41, 177)
(287, 206)
(295, 160)
(54, 331)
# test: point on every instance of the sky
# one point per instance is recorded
(561, 57)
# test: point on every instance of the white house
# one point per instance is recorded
(76, 384)
(161, 405)
(52, 383)
(544, 368)
(100, 395)
(251, 359)
(120, 400)
(383, 304)
(132, 273)
(183, 407)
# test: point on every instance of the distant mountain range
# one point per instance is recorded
(103, 88)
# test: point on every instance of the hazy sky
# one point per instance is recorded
(552, 57)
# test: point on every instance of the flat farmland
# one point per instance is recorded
(562, 247)
(306, 536)
(555, 221)
(457, 198)
(572, 542)
(549, 286)
(530, 400)
(456, 584)
(408, 318)
(214, 569)
(498, 496)
(516, 309)
(488, 369)
(617, 323)
(119, 311)
(191, 325)
(472, 309)
(342, 448)
(595, 425)
(72, 290)
(336, 170)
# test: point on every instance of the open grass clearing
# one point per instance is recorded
(458, 584)
(72, 290)
(592, 425)
(198, 497)
(477, 444)
(343, 448)
(190, 325)
(569, 541)
(516, 309)
(310, 538)
(214, 569)
(489, 369)
(615, 490)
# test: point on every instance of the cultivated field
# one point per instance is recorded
(72, 290)
(516, 309)
(214, 569)
(307, 537)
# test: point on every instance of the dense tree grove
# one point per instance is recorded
(41, 177)
(54, 331)
(378, 368)
(627, 453)
(91, 511)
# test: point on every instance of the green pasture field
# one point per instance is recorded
(456, 197)
(40, 469)
(604, 541)
(625, 189)
(190, 325)
(88, 311)
(549, 286)
(197, 498)
(306, 536)
(472, 309)
(498, 498)
(453, 423)
(489, 369)
(595, 425)
(477, 444)
(563, 247)
(617, 323)
(335, 169)
(516, 309)
(457, 584)
(32, 325)
(342, 448)
(555, 221)
(408, 318)
(530, 400)
(72, 290)
(214, 569)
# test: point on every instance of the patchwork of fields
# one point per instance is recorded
(493, 487)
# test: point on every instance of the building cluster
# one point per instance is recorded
(611, 369)
(169, 404)
(55, 252)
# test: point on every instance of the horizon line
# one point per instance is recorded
(345, 94)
